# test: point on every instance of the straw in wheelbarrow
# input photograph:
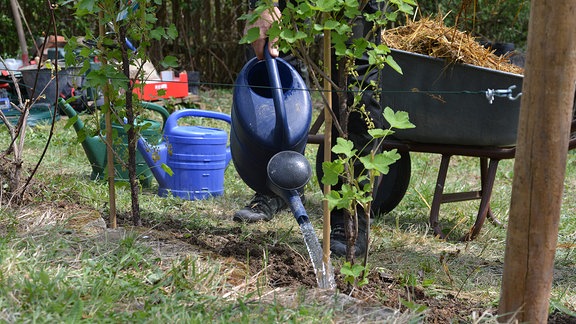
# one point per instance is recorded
(431, 37)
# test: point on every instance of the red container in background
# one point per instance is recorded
(154, 90)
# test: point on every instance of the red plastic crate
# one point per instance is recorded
(152, 90)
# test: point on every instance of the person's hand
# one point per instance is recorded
(264, 22)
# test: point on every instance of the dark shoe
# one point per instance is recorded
(261, 208)
(338, 236)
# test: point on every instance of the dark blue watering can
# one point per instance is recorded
(196, 155)
(271, 113)
(271, 116)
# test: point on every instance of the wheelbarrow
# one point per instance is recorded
(458, 109)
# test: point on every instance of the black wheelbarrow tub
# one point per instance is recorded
(448, 103)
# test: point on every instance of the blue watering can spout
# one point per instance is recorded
(153, 156)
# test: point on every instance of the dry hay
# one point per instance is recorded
(431, 37)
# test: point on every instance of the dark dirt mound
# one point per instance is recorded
(287, 267)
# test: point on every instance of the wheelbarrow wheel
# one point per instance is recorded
(392, 186)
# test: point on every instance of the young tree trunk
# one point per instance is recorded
(132, 133)
(540, 165)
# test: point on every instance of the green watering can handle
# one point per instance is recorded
(156, 107)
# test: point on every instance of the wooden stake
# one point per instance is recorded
(327, 143)
(540, 165)
(109, 150)
(20, 31)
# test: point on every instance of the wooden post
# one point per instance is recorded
(540, 162)
(327, 143)
(20, 31)
(108, 120)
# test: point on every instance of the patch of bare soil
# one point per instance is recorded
(288, 268)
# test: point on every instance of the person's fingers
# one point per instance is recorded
(258, 46)
(266, 20)
(273, 49)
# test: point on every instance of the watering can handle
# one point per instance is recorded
(173, 119)
(155, 107)
(281, 131)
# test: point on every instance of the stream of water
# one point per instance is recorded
(324, 272)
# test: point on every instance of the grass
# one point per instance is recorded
(53, 271)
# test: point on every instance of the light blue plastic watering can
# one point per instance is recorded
(196, 155)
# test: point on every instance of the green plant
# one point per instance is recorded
(121, 72)
(356, 192)
(418, 309)
(16, 185)
(354, 274)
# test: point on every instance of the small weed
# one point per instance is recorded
(416, 308)
(353, 274)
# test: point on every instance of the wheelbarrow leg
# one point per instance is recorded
(488, 174)
(438, 195)
(488, 177)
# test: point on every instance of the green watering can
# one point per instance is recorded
(95, 147)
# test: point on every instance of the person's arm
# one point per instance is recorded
(264, 22)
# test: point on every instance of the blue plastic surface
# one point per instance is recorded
(267, 119)
(197, 155)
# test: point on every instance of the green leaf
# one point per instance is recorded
(348, 196)
(382, 49)
(292, 36)
(391, 16)
(417, 308)
(352, 9)
(339, 42)
(71, 121)
(157, 33)
(326, 5)
(381, 162)
(354, 270)
(333, 199)
(332, 171)
(397, 119)
(390, 61)
(251, 35)
(169, 61)
(344, 146)
(172, 32)
(85, 7)
(379, 132)
(96, 78)
(405, 6)
(167, 169)
(331, 24)
(363, 282)
(161, 92)
(339, 200)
